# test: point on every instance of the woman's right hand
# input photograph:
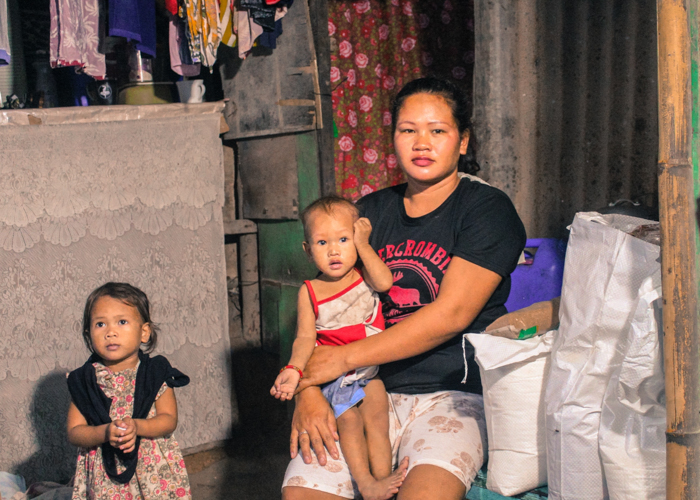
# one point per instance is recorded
(313, 427)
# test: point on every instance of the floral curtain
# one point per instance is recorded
(376, 47)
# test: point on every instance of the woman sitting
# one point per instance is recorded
(451, 244)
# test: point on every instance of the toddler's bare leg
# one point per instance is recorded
(352, 429)
(374, 410)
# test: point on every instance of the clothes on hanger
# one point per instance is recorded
(180, 59)
(75, 36)
(203, 26)
(4, 35)
(197, 27)
(134, 20)
(226, 15)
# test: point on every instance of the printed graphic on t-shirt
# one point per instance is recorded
(414, 286)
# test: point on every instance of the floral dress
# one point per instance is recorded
(160, 471)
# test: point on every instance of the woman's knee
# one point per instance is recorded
(430, 482)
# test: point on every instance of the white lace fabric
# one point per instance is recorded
(85, 203)
(104, 191)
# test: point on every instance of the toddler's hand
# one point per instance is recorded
(363, 228)
(285, 384)
(122, 434)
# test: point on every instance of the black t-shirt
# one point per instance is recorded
(477, 223)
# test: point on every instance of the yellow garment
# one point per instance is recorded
(226, 34)
(203, 26)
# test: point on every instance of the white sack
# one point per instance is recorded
(603, 273)
(632, 435)
(513, 378)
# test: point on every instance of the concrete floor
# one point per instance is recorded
(251, 465)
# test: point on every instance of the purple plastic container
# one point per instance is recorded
(540, 280)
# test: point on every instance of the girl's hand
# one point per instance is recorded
(285, 384)
(363, 228)
(313, 426)
(128, 438)
(120, 433)
(327, 363)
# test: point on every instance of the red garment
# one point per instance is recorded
(171, 6)
(330, 331)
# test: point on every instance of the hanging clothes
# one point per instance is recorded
(226, 15)
(75, 36)
(249, 31)
(203, 29)
(4, 35)
(172, 7)
(134, 20)
(180, 59)
(261, 13)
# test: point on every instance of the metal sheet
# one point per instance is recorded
(566, 105)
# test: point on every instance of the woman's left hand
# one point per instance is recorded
(327, 363)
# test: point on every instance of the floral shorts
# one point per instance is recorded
(446, 429)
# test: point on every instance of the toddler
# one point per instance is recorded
(123, 410)
(338, 307)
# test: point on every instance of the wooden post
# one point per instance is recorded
(318, 12)
(681, 346)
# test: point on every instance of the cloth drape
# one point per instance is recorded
(380, 46)
(75, 36)
(134, 20)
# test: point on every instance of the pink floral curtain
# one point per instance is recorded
(376, 47)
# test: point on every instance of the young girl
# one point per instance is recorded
(123, 410)
(339, 307)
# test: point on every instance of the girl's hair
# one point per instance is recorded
(328, 204)
(128, 294)
(455, 99)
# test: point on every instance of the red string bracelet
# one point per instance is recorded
(292, 367)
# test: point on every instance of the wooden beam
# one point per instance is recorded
(680, 321)
(318, 12)
(240, 226)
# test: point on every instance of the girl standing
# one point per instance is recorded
(123, 410)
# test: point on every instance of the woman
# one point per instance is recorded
(451, 244)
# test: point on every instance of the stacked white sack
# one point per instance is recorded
(513, 378)
(603, 273)
(632, 434)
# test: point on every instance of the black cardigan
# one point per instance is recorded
(94, 404)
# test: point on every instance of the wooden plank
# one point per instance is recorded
(268, 173)
(250, 289)
(318, 13)
(240, 226)
(262, 86)
(229, 209)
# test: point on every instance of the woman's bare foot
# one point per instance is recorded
(386, 488)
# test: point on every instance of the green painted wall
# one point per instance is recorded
(283, 264)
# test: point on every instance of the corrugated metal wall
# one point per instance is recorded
(565, 100)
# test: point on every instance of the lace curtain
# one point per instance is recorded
(113, 199)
